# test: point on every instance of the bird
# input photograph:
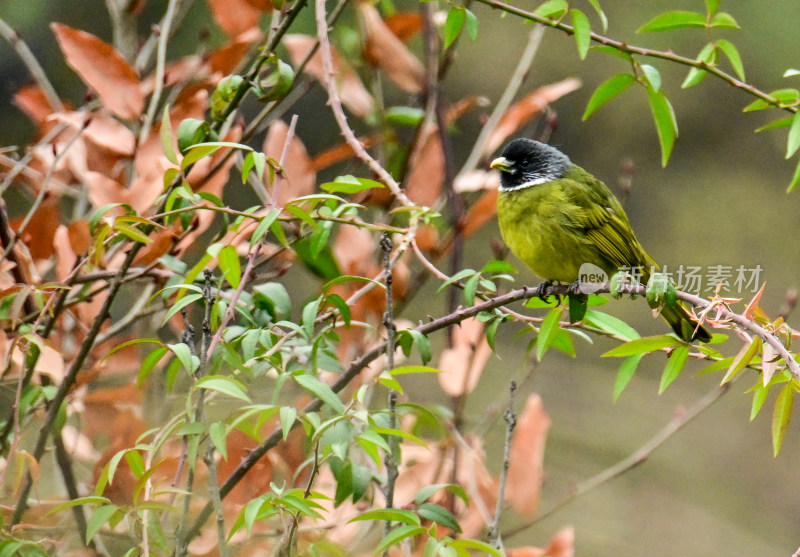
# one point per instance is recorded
(555, 217)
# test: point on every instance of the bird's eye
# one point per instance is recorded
(524, 162)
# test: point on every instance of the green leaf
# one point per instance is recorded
(712, 6)
(583, 32)
(288, 415)
(742, 359)
(463, 544)
(776, 124)
(254, 160)
(453, 24)
(224, 385)
(399, 534)
(664, 118)
(184, 354)
(389, 515)
(230, 266)
(676, 19)
(781, 415)
(472, 24)
(404, 115)
(219, 434)
(132, 232)
(643, 345)
(652, 75)
(577, 307)
(419, 340)
(724, 20)
(439, 515)
(350, 184)
(167, 137)
(610, 324)
(413, 369)
(320, 390)
(427, 491)
(793, 141)
(310, 311)
(795, 179)
(552, 9)
(760, 392)
(603, 19)
(733, 56)
(607, 91)
(625, 374)
(99, 518)
(708, 55)
(149, 363)
(547, 332)
(179, 305)
(674, 366)
(263, 225)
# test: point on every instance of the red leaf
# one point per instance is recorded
(102, 68)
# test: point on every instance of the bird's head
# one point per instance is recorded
(525, 162)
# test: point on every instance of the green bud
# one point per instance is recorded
(226, 91)
(192, 131)
(277, 81)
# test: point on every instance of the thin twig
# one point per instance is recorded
(161, 61)
(390, 459)
(521, 71)
(328, 80)
(511, 422)
(34, 68)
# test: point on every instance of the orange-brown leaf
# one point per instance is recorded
(40, 231)
(384, 50)
(527, 108)
(751, 307)
(102, 68)
(463, 363)
(562, 544)
(33, 102)
(404, 25)
(234, 16)
(226, 60)
(352, 92)
(527, 455)
(481, 212)
(426, 174)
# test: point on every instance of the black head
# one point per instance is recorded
(525, 162)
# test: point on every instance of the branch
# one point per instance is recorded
(641, 51)
(441, 323)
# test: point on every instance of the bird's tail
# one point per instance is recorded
(684, 325)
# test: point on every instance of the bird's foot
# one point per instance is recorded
(574, 289)
(541, 290)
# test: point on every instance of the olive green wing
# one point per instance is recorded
(600, 216)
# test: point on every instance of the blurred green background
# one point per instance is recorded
(714, 488)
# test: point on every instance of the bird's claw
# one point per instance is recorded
(541, 290)
(574, 289)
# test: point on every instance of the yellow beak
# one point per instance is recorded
(502, 164)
